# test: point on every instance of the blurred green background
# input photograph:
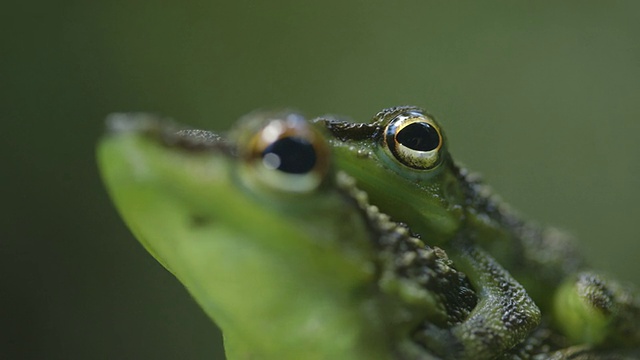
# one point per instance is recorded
(543, 98)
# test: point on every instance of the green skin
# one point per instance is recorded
(446, 202)
(189, 209)
(337, 279)
(332, 280)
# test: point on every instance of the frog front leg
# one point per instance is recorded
(544, 343)
(585, 352)
(503, 316)
(594, 309)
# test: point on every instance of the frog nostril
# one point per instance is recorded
(199, 220)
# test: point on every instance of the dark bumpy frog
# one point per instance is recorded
(401, 160)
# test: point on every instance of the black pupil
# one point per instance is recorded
(419, 136)
(291, 155)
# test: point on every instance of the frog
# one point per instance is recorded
(289, 257)
(401, 159)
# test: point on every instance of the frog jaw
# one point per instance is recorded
(272, 281)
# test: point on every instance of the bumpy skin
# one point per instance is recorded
(503, 316)
(598, 309)
(339, 279)
(447, 199)
(448, 202)
(285, 280)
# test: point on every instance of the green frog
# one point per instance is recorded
(401, 159)
(288, 257)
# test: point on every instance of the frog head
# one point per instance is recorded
(401, 160)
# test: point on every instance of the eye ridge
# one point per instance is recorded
(419, 136)
(292, 155)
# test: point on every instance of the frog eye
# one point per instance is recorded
(287, 154)
(414, 139)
